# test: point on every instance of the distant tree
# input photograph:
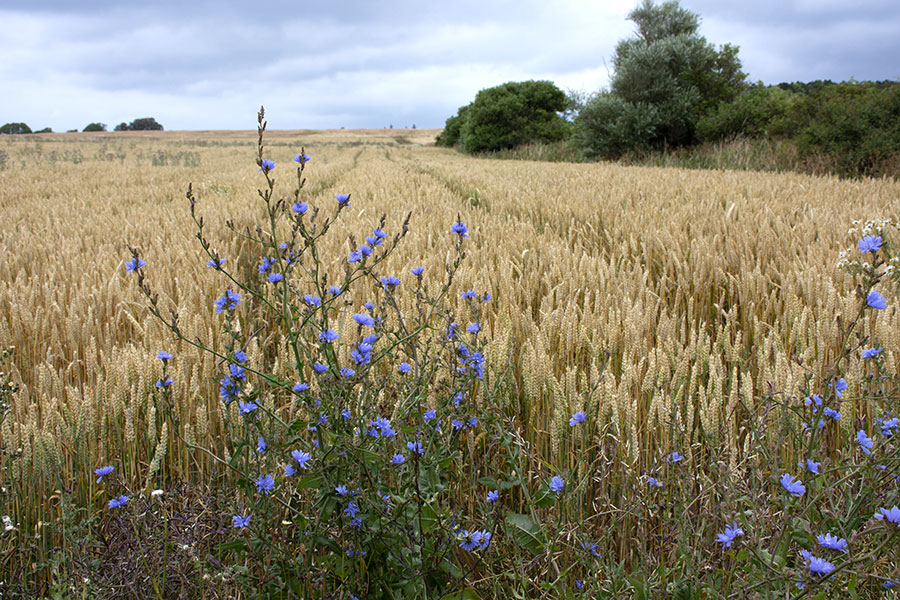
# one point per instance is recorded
(45, 130)
(513, 114)
(95, 127)
(121, 127)
(145, 124)
(15, 128)
(665, 79)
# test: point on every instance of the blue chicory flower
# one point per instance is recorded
(239, 522)
(870, 352)
(229, 300)
(577, 418)
(163, 355)
(364, 319)
(135, 264)
(865, 442)
(832, 542)
(793, 486)
(118, 502)
(817, 566)
(266, 165)
(876, 300)
(265, 483)
(557, 484)
(343, 199)
(302, 458)
(731, 532)
(493, 495)
(397, 459)
(870, 243)
(891, 515)
(103, 472)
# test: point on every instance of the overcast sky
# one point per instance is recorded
(341, 63)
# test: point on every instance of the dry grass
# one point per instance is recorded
(694, 289)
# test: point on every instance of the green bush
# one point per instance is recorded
(507, 116)
(15, 128)
(856, 124)
(608, 127)
(95, 127)
(144, 124)
(449, 137)
(759, 112)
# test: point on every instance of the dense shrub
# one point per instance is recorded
(507, 116)
(452, 131)
(15, 128)
(95, 127)
(759, 112)
(856, 124)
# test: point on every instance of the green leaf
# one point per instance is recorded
(239, 545)
(309, 481)
(526, 532)
(466, 594)
(430, 519)
(489, 482)
(544, 497)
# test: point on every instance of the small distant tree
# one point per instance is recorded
(45, 130)
(95, 127)
(145, 124)
(15, 128)
(121, 127)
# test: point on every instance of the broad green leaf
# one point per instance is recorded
(525, 531)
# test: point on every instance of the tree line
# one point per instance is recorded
(670, 89)
(142, 124)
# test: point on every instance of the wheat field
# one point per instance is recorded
(665, 303)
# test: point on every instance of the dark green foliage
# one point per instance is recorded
(449, 137)
(665, 79)
(144, 124)
(507, 116)
(95, 127)
(512, 114)
(608, 126)
(849, 128)
(45, 130)
(759, 112)
(15, 128)
(856, 124)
